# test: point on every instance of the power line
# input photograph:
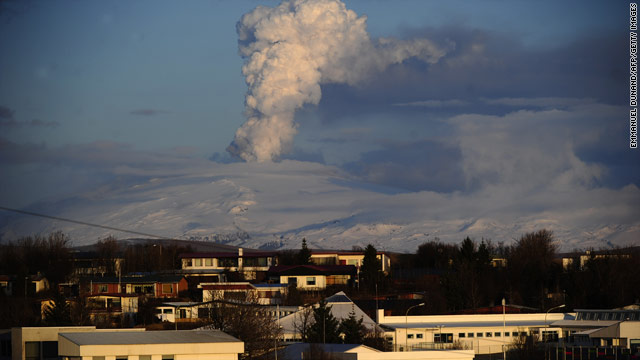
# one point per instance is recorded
(82, 223)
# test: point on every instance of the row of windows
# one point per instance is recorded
(227, 262)
(140, 289)
(141, 357)
(310, 281)
(491, 334)
(448, 338)
(613, 316)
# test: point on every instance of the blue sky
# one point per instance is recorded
(530, 93)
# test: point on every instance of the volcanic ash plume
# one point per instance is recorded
(292, 49)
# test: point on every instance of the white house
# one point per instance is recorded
(341, 307)
(313, 277)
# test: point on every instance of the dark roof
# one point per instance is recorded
(338, 298)
(313, 270)
(137, 279)
(111, 295)
(245, 254)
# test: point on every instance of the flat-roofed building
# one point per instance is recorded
(150, 345)
(485, 333)
(40, 343)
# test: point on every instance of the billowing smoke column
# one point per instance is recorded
(292, 49)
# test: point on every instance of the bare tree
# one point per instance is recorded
(302, 322)
(247, 321)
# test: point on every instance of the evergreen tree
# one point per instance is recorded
(325, 326)
(59, 312)
(353, 329)
(370, 272)
(304, 255)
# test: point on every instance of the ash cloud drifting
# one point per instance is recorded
(290, 50)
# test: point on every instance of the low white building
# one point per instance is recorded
(42, 342)
(150, 345)
(485, 334)
(361, 352)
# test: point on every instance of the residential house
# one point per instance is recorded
(313, 277)
(6, 285)
(250, 264)
(90, 263)
(580, 260)
(112, 307)
(262, 294)
(341, 308)
(156, 286)
(345, 257)
(183, 311)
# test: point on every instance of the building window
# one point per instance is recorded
(167, 357)
(32, 350)
(410, 336)
(470, 335)
(103, 288)
(418, 336)
(208, 262)
(311, 281)
(443, 338)
(144, 357)
(167, 288)
(5, 348)
(488, 334)
(198, 262)
(524, 333)
(496, 334)
(461, 335)
(189, 263)
(121, 357)
(50, 349)
(507, 334)
(479, 334)
(97, 357)
(228, 262)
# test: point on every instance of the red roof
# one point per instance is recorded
(227, 254)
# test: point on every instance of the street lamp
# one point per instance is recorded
(406, 324)
(504, 329)
(547, 313)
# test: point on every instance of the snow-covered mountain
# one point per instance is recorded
(275, 205)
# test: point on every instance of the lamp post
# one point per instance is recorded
(547, 313)
(504, 330)
(406, 324)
